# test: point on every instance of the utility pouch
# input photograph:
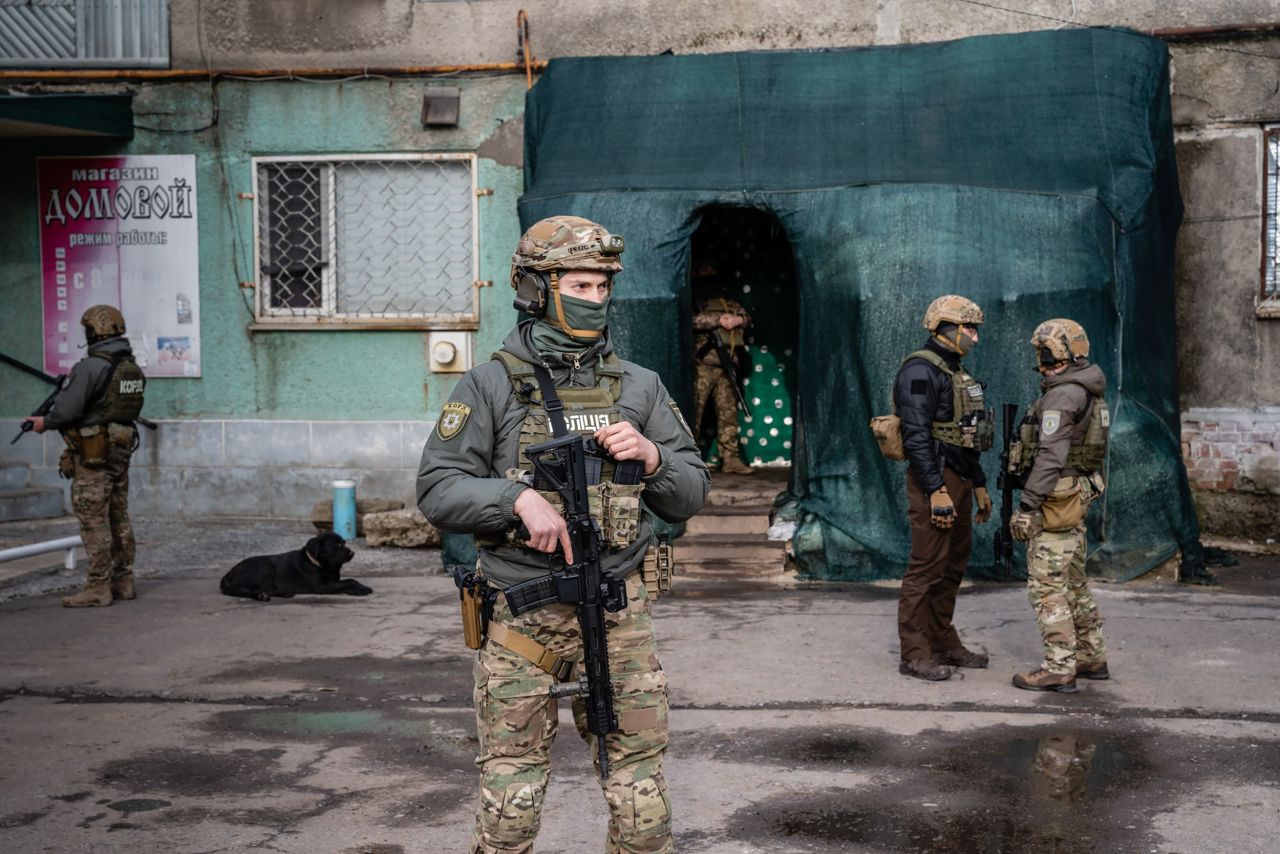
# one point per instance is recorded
(93, 446)
(658, 568)
(477, 607)
(66, 464)
(122, 436)
(888, 432)
(1064, 508)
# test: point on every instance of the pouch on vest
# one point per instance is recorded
(888, 432)
(658, 568)
(1064, 509)
(92, 446)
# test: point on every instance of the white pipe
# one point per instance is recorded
(68, 543)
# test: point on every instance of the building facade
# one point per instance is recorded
(319, 127)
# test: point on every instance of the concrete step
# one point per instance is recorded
(774, 567)
(30, 503)
(740, 490)
(15, 476)
(719, 521)
(704, 548)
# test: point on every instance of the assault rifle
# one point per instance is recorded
(43, 409)
(1006, 483)
(561, 464)
(726, 365)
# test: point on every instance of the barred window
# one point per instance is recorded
(1271, 219)
(381, 240)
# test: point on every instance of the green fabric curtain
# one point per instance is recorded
(1033, 173)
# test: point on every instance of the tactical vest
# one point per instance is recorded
(971, 425)
(1086, 453)
(122, 402)
(615, 507)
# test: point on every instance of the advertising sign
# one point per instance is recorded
(123, 231)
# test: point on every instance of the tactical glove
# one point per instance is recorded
(982, 500)
(942, 511)
(1023, 525)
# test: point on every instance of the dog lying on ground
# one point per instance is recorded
(314, 568)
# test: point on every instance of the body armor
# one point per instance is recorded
(1088, 448)
(971, 425)
(615, 507)
(125, 387)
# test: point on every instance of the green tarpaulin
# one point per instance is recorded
(1033, 173)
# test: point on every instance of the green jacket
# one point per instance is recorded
(462, 485)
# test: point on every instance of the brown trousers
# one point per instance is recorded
(938, 560)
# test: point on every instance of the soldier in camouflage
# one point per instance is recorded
(95, 412)
(473, 479)
(716, 314)
(1060, 450)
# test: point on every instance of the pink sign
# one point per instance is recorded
(121, 231)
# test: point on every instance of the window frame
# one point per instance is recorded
(1268, 306)
(327, 316)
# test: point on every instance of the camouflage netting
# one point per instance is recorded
(1033, 173)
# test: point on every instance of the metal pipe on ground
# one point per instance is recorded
(32, 549)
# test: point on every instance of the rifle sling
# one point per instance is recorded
(527, 647)
(551, 401)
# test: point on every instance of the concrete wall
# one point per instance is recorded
(295, 392)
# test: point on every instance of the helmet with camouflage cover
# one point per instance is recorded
(952, 309)
(102, 321)
(567, 243)
(1060, 340)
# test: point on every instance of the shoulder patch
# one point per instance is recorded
(452, 419)
(1051, 422)
(680, 417)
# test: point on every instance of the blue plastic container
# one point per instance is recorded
(344, 509)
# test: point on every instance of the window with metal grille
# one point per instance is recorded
(379, 239)
(1271, 219)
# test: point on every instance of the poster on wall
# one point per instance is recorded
(122, 230)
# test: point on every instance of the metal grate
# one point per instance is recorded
(364, 238)
(84, 33)
(1271, 219)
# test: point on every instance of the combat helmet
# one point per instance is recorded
(102, 321)
(556, 244)
(952, 309)
(1060, 340)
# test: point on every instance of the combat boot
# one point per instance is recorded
(961, 657)
(96, 594)
(925, 668)
(122, 584)
(1093, 670)
(1043, 680)
(734, 465)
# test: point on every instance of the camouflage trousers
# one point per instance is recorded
(100, 500)
(709, 381)
(1058, 588)
(516, 722)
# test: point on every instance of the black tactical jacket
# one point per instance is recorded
(922, 395)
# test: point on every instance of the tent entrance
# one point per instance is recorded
(743, 254)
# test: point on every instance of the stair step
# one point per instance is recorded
(726, 524)
(729, 569)
(14, 476)
(30, 503)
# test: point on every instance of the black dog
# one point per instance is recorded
(314, 568)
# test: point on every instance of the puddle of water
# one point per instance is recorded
(134, 805)
(192, 773)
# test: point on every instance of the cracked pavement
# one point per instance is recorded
(187, 721)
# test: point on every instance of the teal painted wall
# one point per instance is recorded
(356, 375)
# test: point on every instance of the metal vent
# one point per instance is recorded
(84, 33)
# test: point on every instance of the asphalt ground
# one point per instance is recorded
(187, 721)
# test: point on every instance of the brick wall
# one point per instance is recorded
(1232, 450)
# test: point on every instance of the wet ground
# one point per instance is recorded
(191, 722)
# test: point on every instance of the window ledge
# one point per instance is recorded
(361, 325)
(1268, 310)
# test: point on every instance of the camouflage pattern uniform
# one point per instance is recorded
(469, 481)
(710, 380)
(518, 723)
(1058, 421)
(100, 491)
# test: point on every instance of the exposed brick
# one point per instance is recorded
(1208, 426)
(1228, 427)
(1202, 451)
(1215, 452)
